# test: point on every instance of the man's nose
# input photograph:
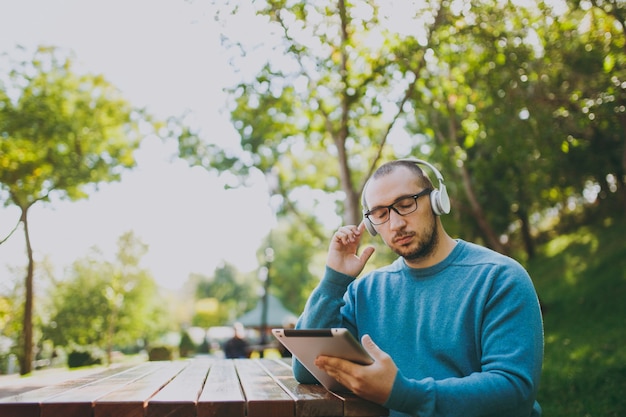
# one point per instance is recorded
(396, 221)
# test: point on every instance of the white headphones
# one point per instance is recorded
(439, 200)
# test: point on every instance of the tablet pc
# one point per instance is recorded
(307, 344)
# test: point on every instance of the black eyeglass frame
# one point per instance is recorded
(390, 207)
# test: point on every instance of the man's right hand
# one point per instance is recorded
(342, 254)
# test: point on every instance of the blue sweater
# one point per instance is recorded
(466, 334)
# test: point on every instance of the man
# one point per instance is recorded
(455, 329)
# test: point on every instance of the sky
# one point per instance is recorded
(163, 55)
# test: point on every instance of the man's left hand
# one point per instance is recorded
(372, 382)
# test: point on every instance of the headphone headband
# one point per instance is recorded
(429, 165)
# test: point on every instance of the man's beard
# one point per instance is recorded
(425, 246)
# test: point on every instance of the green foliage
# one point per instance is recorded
(522, 106)
(80, 320)
(9, 316)
(210, 312)
(581, 279)
(118, 302)
(296, 267)
(85, 356)
(160, 353)
(325, 96)
(222, 297)
(61, 131)
(512, 107)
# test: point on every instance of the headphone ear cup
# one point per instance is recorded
(439, 201)
(369, 226)
(444, 200)
(434, 202)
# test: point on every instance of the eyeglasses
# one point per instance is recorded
(402, 206)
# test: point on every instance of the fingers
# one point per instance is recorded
(348, 234)
(361, 226)
(367, 253)
(340, 369)
(369, 344)
(373, 382)
(343, 251)
(372, 348)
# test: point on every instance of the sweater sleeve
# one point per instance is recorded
(322, 310)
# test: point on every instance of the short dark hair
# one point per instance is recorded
(389, 167)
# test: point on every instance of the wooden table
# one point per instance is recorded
(198, 387)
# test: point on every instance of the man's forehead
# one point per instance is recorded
(386, 189)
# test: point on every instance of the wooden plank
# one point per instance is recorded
(11, 385)
(179, 397)
(318, 401)
(19, 410)
(222, 395)
(28, 404)
(264, 396)
(311, 400)
(129, 400)
(354, 406)
(78, 402)
(223, 388)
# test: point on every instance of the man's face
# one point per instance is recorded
(414, 235)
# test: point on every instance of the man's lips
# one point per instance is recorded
(403, 239)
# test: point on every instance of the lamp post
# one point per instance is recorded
(271, 178)
(264, 275)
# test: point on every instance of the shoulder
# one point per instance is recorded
(497, 271)
(473, 254)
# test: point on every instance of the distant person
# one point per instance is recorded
(455, 329)
(237, 346)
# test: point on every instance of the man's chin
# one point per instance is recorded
(413, 254)
(407, 253)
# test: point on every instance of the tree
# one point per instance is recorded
(209, 312)
(588, 63)
(10, 315)
(352, 80)
(522, 107)
(475, 115)
(296, 265)
(118, 303)
(336, 85)
(61, 134)
(222, 297)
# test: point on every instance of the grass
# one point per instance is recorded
(581, 281)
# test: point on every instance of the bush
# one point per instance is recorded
(8, 363)
(84, 357)
(581, 279)
(160, 353)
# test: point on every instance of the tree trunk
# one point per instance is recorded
(527, 237)
(621, 188)
(351, 211)
(479, 214)
(27, 330)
